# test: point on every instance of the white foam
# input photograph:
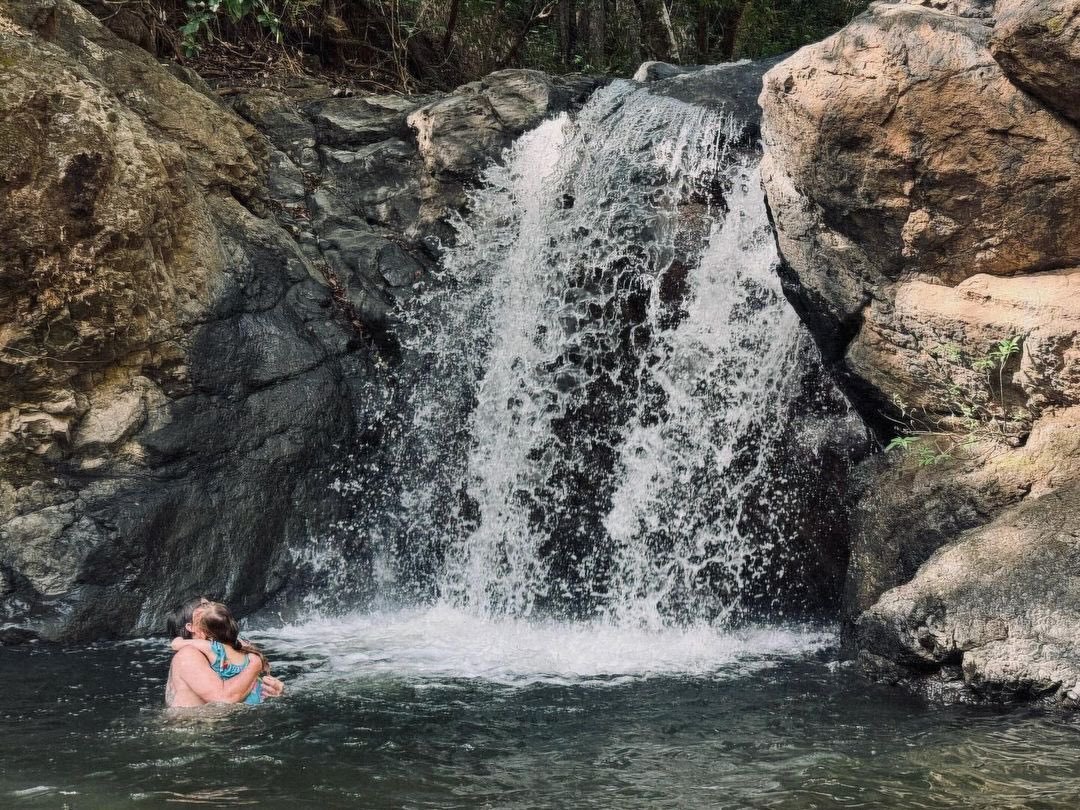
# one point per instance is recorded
(39, 790)
(443, 643)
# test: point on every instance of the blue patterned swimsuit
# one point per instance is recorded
(222, 667)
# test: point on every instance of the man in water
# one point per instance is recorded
(193, 682)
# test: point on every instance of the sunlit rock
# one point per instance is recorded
(925, 186)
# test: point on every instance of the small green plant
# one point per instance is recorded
(202, 14)
(901, 443)
(961, 416)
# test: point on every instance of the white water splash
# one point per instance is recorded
(441, 644)
(602, 375)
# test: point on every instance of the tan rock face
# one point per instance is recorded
(911, 346)
(899, 145)
(924, 176)
(907, 174)
(105, 214)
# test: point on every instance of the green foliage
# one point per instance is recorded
(202, 14)
(962, 415)
(901, 443)
(770, 27)
(1004, 350)
(437, 44)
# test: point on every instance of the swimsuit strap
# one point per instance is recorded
(221, 663)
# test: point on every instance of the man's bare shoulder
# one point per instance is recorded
(187, 657)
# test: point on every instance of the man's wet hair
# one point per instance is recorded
(180, 617)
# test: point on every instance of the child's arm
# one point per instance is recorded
(199, 644)
(189, 666)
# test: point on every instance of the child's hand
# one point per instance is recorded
(272, 687)
(178, 642)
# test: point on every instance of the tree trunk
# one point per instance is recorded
(536, 13)
(702, 33)
(583, 27)
(451, 24)
(567, 32)
(657, 36)
(730, 20)
(598, 39)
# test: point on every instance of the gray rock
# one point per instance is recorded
(470, 127)
(279, 119)
(381, 181)
(656, 71)
(1037, 44)
(732, 87)
(1002, 604)
(169, 427)
(285, 181)
(398, 267)
(362, 121)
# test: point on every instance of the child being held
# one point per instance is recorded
(218, 638)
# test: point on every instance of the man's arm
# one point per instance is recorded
(192, 667)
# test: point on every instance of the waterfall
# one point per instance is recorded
(608, 364)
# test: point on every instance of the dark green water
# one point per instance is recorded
(82, 727)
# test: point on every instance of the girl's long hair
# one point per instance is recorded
(217, 622)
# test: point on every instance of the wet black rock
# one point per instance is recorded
(178, 430)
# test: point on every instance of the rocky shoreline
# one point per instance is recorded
(923, 170)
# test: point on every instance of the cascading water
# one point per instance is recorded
(607, 369)
(631, 355)
(694, 461)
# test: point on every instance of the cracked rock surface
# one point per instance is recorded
(923, 172)
(196, 303)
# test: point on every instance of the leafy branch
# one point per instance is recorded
(201, 13)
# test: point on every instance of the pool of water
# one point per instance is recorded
(437, 710)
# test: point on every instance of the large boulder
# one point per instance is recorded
(1037, 44)
(995, 614)
(923, 174)
(166, 400)
(468, 129)
(732, 88)
(196, 319)
(899, 146)
(906, 511)
(457, 132)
